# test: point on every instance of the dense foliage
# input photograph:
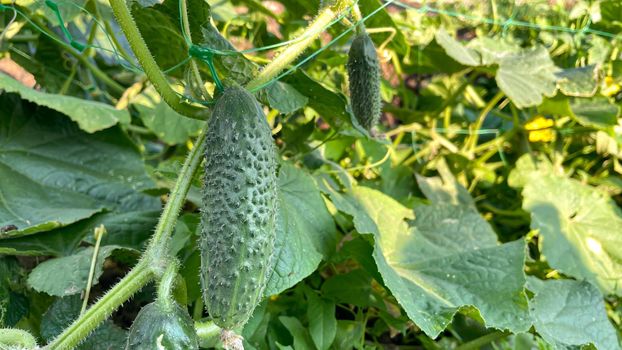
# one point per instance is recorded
(482, 211)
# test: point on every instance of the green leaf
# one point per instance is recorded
(306, 231)
(353, 288)
(67, 12)
(106, 337)
(302, 340)
(349, 334)
(331, 105)
(571, 313)
(125, 229)
(322, 320)
(70, 273)
(595, 112)
(53, 174)
(17, 308)
(61, 241)
(448, 259)
(168, 125)
(579, 226)
(526, 76)
(493, 50)
(462, 54)
(285, 98)
(383, 20)
(235, 66)
(578, 82)
(9, 270)
(433, 59)
(91, 116)
(162, 34)
(64, 310)
(444, 189)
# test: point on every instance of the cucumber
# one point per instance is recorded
(158, 326)
(239, 208)
(364, 76)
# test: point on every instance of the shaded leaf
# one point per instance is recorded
(302, 340)
(382, 19)
(322, 320)
(91, 116)
(53, 174)
(578, 82)
(580, 228)
(285, 98)
(57, 242)
(235, 66)
(306, 231)
(349, 334)
(162, 34)
(353, 288)
(70, 273)
(330, 105)
(168, 125)
(64, 310)
(571, 313)
(595, 112)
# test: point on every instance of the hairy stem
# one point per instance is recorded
(147, 268)
(324, 18)
(166, 285)
(151, 264)
(158, 247)
(146, 60)
(140, 275)
(207, 331)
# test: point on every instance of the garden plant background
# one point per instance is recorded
(482, 212)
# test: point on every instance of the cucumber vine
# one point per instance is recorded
(155, 259)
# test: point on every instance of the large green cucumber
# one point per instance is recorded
(364, 75)
(239, 208)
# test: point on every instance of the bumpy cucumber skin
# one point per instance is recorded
(364, 75)
(158, 327)
(239, 208)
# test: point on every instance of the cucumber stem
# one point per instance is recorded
(166, 285)
(150, 264)
(140, 275)
(146, 269)
(158, 79)
(292, 51)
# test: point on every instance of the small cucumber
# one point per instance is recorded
(364, 75)
(160, 327)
